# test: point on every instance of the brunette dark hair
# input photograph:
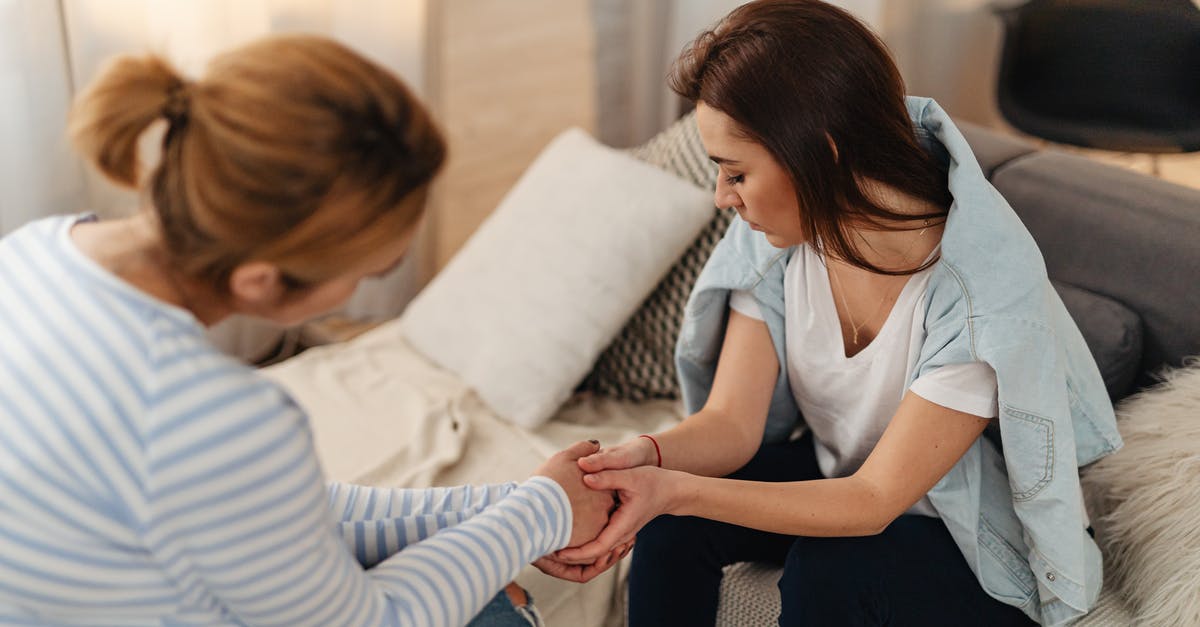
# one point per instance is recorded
(795, 74)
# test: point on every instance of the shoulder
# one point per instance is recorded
(196, 383)
(947, 299)
(35, 245)
(43, 228)
(949, 319)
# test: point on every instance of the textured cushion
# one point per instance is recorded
(639, 364)
(1113, 333)
(1145, 501)
(547, 281)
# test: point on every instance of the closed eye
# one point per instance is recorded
(734, 180)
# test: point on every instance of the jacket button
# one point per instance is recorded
(1050, 576)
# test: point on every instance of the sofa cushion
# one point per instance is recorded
(1112, 331)
(992, 149)
(640, 364)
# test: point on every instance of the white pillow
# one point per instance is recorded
(1145, 501)
(548, 280)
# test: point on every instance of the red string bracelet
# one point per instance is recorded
(657, 451)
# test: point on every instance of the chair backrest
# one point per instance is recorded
(1132, 64)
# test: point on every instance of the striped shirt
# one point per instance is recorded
(147, 479)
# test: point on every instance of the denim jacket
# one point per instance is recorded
(1017, 516)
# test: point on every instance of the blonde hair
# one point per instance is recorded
(292, 150)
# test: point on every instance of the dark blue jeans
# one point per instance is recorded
(911, 574)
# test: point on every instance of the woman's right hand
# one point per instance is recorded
(636, 452)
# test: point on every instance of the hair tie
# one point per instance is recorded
(178, 102)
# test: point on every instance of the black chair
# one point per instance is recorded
(1109, 74)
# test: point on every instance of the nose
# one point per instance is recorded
(724, 196)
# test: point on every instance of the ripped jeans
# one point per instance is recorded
(499, 612)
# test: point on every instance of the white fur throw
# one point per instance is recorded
(1145, 501)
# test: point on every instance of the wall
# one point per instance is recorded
(505, 78)
(947, 50)
(39, 176)
(190, 33)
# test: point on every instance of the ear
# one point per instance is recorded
(256, 285)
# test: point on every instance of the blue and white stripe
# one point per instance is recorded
(146, 479)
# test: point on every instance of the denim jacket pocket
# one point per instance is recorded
(1029, 451)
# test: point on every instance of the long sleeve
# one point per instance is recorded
(375, 523)
(349, 502)
(239, 514)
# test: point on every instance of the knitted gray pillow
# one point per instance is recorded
(640, 363)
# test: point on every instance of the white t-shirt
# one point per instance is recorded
(849, 401)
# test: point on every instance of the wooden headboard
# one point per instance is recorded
(503, 79)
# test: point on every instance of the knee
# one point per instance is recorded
(674, 542)
(667, 537)
(516, 595)
(825, 576)
(804, 568)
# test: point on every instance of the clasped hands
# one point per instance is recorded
(614, 493)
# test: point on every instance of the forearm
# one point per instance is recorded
(372, 541)
(920, 445)
(847, 506)
(376, 523)
(350, 503)
(727, 431)
(708, 443)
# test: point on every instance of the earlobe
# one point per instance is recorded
(256, 285)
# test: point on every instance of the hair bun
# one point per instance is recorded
(179, 97)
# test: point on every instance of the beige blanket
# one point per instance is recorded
(384, 415)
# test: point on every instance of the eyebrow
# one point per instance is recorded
(723, 160)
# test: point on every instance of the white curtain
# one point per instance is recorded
(945, 49)
(38, 174)
(638, 40)
(51, 50)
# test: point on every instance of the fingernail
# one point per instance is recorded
(596, 442)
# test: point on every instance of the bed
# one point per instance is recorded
(383, 414)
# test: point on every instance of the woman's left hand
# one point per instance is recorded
(582, 573)
(645, 493)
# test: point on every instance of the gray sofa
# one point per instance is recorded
(1122, 248)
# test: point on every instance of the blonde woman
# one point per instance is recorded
(145, 478)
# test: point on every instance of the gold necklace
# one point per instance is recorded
(855, 328)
